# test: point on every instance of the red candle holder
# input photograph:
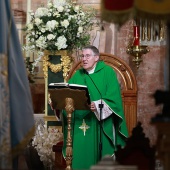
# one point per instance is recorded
(136, 32)
(136, 42)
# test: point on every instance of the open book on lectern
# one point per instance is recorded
(67, 85)
(71, 86)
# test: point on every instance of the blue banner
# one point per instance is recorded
(16, 109)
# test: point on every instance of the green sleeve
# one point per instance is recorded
(113, 98)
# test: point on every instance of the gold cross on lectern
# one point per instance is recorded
(84, 127)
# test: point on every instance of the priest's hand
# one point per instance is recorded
(93, 107)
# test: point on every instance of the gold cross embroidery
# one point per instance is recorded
(84, 127)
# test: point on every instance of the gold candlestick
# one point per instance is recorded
(69, 153)
(137, 52)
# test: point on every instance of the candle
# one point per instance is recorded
(27, 21)
(136, 32)
(28, 10)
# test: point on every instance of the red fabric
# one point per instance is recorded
(118, 4)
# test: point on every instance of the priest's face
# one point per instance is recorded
(88, 59)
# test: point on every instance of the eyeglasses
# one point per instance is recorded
(87, 56)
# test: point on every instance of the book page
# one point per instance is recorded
(78, 85)
(67, 85)
(58, 84)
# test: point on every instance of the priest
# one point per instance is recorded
(98, 131)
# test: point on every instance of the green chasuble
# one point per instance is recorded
(114, 130)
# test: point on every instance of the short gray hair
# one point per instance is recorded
(93, 48)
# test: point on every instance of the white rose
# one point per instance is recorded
(49, 5)
(42, 30)
(59, 3)
(61, 42)
(60, 9)
(78, 34)
(42, 38)
(76, 8)
(49, 14)
(38, 21)
(41, 12)
(51, 25)
(41, 42)
(80, 29)
(65, 23)
(30, 26)
(56, 14)
(50, 36)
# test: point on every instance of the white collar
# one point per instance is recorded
(92, 70)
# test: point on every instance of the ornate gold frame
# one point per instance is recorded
(65, 66)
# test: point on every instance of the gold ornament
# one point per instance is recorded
(64, 66)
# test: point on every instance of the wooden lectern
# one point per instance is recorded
(69, 99)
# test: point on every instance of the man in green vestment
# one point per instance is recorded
(96, 132)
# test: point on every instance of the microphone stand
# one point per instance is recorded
(101, 107)
(100, 142)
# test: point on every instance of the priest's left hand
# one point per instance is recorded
(93, 107)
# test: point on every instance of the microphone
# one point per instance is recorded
(100, 106)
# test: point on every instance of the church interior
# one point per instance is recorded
(142, 71)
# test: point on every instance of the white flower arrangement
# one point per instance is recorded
(60, 25)
(43, 142)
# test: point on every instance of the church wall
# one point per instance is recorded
(114, 40)
(149, 76)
